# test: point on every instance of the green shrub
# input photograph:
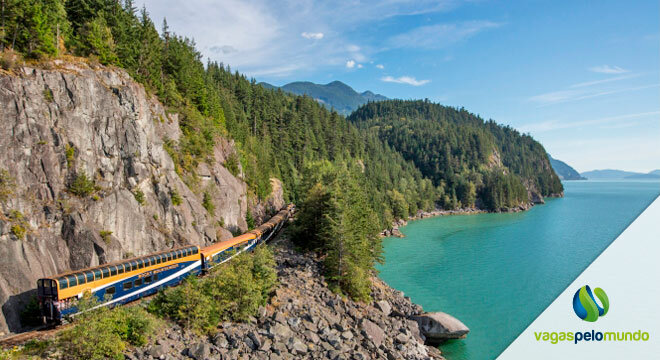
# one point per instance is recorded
(19, 225)
(207, 202)
(249, 220)
(231, 164)
(48, 95)
(233, 291)
(176, 198)
(139, 196)
(82, 185)
(105, 235)
(7, 185)
(105, 333)
(70, 152)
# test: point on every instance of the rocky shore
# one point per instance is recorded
(304, 319)
(421, 214)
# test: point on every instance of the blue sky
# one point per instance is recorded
(582, 77)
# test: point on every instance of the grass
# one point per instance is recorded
(207, 202)
(7, 185)
(19, 225)
(176, 198)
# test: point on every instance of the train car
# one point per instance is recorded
(218, 253)
(116, 283)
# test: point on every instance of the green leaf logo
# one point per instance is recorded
(585, 305)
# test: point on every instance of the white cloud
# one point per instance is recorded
(609, 121)
(259, 37)
(312, 36)
(597, 82)
(607, 69)
(350, 64)
(359, 66)
(380, 66)
(562, 96)
(439, 35)
(405, 80)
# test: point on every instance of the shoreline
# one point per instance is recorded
(421, 214)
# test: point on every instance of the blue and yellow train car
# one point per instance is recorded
(117, 283)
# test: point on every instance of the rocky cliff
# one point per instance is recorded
(87, 180)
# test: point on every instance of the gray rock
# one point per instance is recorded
(255, 338)
(220, 340)
(280, 331)
(372, 331)
(158, 351)
(384, 306)
(199, 351)
(298, 347)
(438, 327)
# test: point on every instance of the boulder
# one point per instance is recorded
(372, 332)
(438, 327)
(384, 306)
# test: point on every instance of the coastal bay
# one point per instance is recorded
(497, 272)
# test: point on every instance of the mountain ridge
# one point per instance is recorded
(615, 174)
(333, 95)
(564, 171)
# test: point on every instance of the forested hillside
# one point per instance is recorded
(350, 178)
(469, 159)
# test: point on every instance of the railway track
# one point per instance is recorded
(45, 331)
(49, 331)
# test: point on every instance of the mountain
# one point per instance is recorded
(472, 160)
(335, 95)
(563, 170)
(610, 174)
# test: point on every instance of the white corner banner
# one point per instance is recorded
(611, 311)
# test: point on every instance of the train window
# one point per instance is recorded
(128, 285)
(169, 256)
(147, 280)
(157, 257)
(155, 277)
(120, 269)
(149, 261)
(140, 264)
(97, 274)
(133, 265)
(63, 283)
(106, 272)
(72, 280)
(138, 282)
(110, 290)
(113, 270)
(81, 279)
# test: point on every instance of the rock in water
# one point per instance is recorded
(438, 327)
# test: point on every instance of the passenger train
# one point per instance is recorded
(128, 280)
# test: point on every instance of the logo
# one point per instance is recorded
(585, 305)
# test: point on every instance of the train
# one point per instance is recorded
(131, 279)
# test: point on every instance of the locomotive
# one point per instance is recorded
(128, 280)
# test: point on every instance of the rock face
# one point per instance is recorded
(438, 327)
(70, 119)
(305, 320)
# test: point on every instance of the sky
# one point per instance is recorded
(582, 77)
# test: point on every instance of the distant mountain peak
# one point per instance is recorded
(333, 95)
(563, 170)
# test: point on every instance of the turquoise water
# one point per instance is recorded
(498, 272)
